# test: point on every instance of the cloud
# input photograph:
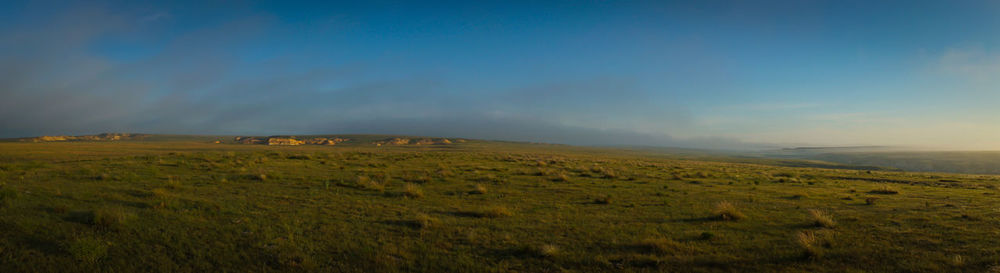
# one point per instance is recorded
(976, 65)
(199, 82)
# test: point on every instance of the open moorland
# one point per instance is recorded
(187, 204)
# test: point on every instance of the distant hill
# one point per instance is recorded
(286, 140)
(852, 157)
(98, 137)
(980, 162)
(951, 162)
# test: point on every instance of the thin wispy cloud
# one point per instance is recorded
(529, 71)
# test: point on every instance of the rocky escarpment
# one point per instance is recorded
(98, 137)
(288, 140)
(294, 141)
(407, 141)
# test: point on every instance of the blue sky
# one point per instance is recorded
(707, 74)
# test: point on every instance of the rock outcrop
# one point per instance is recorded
(99, 137)
(250, 140)
(324, 141)
(288, 140)
(405, 141)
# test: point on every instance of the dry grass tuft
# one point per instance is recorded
(543, 251)
(809, 242)
(958, 261)
(161, 198)
(478, 189)
(364, 182)
(110, 217)
(822, 219)
(172, 182)
(885, 189)
(813, 243)
(560, 177)
(411, 190)
(727, 211)
(423, 221)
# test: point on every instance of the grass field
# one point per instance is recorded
(186, 205)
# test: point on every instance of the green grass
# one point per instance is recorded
(185, 205)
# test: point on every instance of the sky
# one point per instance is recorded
(696, 74)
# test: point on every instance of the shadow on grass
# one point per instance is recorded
(21, 238)
(137, 193)
(85, 217)
(696, 220)
(404, 223)
(468, 214)
(140, 205)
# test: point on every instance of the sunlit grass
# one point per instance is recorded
(482, 207)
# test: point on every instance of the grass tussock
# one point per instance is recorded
(444, 172)
(478, 189)
(411, 190)
(422, 221)
(161, 198)
(542, 251)
(821, 219)
(808, 241)
(172, 183)
(113, 217)
(813, 243)
(885, 189)
(493, 212)
(419, 178)
(727, 211)
(958, 260)
(560, 177)
(606, 173)
(366, 183)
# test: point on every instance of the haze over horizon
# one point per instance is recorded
(697, 74)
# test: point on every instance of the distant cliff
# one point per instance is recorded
(99, 137)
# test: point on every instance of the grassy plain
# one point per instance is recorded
(186, 205)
